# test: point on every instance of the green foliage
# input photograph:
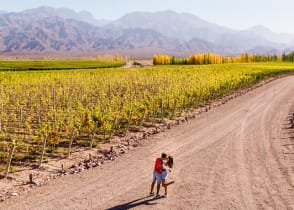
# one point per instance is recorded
(288, 57)
(36, 65)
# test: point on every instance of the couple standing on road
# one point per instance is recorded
(163, 165)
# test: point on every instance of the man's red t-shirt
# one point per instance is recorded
(158, 165)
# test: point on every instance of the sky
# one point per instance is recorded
(276, 15)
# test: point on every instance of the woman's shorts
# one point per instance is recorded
(164, 175)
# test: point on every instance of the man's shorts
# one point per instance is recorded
(157, 176)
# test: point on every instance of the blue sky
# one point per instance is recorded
(277, 15)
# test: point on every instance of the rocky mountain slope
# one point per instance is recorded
(51, 31)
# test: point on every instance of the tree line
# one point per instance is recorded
(211, 58)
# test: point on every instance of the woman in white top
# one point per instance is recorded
(167, 168)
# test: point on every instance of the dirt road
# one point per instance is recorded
(236, 156)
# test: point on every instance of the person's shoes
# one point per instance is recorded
(164, 196)
(151, 194)
(157, 196)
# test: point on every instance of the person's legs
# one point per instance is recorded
(158, 180)
(164, 176)
(157, 190)
(169, 183)
(164, 185)
(152, 187)
(152, 184)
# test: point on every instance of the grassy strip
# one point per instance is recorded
(31, 65)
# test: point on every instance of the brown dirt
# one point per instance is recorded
(138, 64)
(237, 156)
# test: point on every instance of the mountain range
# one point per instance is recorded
(47, 31)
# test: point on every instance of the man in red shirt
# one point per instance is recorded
(158, 167)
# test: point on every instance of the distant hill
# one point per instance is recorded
(25, 34)
(267, 34)
(180, 26)
(50, 31)
(187, 27)
(264, 50)
(84, 16)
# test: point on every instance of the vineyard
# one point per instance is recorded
(30, 65)
(48, 114)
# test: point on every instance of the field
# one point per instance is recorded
(57, 111)
(30, 65)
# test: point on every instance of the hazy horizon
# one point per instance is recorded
(273, 14)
